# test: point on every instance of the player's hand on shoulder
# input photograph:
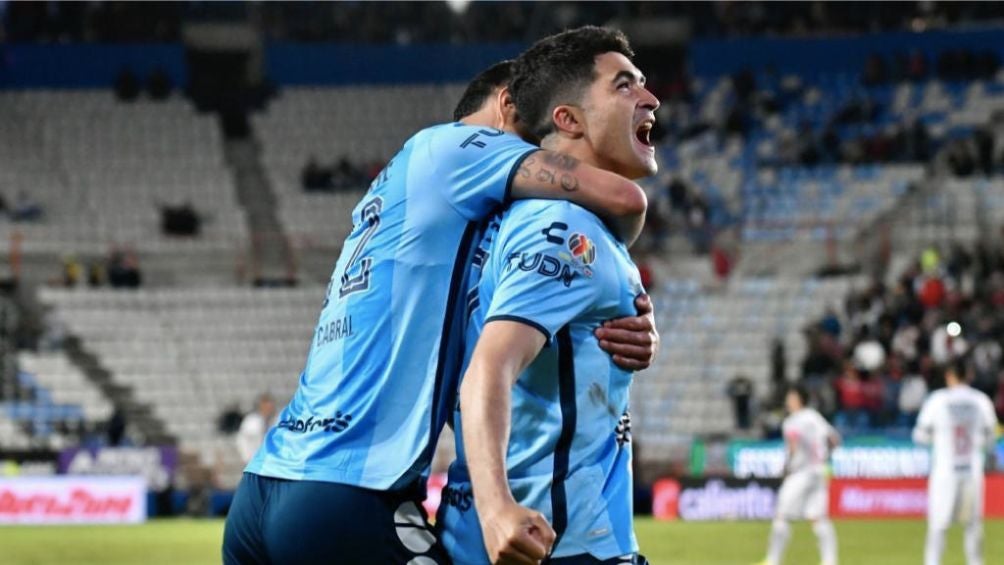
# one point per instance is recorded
(632, 341)
(516, 535)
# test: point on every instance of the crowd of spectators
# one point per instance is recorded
(870, 364)
(119, 269)
(952, 65)
(339, 176)
(128, 86)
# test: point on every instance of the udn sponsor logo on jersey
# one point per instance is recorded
(543, 264)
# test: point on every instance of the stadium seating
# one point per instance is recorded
(100, 170)
(192, 353)
(747, 177)
(710, 337)
(367, 125)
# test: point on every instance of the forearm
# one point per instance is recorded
(550, 175)
(485, 404)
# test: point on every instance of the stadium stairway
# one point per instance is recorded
(270, 252)
(150, 428)
(139, 415)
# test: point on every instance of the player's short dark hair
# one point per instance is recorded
(801, 392)
(957, 365)
(557, 70)
(481, 87)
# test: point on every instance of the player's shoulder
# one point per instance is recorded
(545, 224)
(979, 396)
(457, 136)
(530, 213)
(937, 396)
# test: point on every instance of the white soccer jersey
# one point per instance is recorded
(807, 434)
(959, 423)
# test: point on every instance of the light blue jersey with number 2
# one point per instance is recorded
(380, 376)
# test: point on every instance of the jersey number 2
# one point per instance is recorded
(360, 281)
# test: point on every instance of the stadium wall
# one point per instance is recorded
(813, 56)
(96, 66)
(339, 63)
(86, 65)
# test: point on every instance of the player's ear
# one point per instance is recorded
(569, 121)
(506, 108)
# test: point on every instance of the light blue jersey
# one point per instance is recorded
(555, 267)
(380, 377)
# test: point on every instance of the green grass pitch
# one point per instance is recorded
(193, 542)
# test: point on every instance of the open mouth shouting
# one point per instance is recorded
(643, 132)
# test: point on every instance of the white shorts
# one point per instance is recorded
(804, 495)
(954, 497)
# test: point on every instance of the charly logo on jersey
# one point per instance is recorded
(459, 497)
(581, 253)
(311, 424)
(623, 431)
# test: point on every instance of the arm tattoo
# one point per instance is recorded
(560, 161)
(553, 168)
(569, 182)
(524, 167)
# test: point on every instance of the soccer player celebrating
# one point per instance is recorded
(340, 477)
(804, 495)
(543, 429)
(959, 423)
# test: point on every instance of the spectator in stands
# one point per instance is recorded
(72, 271)
(983, 140)
(123, 269)
(315, 178)
(181, 220)
(253, 427)
(891, 386)
(918, 141)
(960, 158)
(230, 420)
(830, 322)
(853, 414)
(916, 69)
(911, 396)
(116, 428)
(875, 72)
(159, 85)
(740, 390)
(127, 85)
(346, 176)
(26, 209)
(95, 275)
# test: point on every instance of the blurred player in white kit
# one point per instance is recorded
(959, 423)
(804, 495)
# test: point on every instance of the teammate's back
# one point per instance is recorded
(959, 423)
(375, 391)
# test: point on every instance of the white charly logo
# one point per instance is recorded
(411, 530)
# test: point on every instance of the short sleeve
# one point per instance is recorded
(552, 265)
(475, 166)
(925, 422)
(990, 416)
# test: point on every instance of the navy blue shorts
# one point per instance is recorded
(277, 521)
(635, 559)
